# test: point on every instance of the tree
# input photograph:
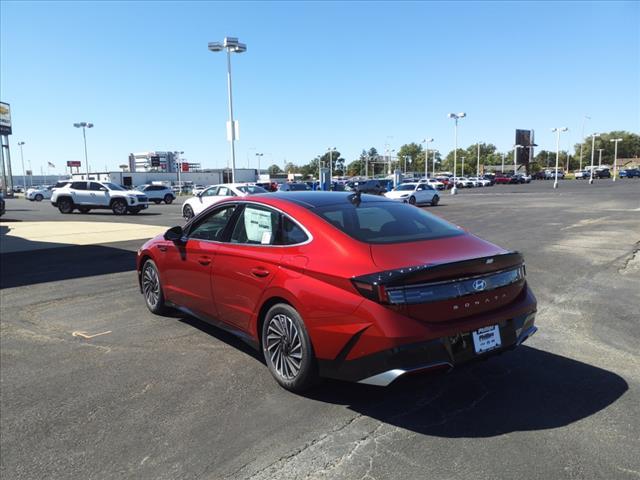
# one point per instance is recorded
(273, 169)
(337, 162)
(629, 147)
(291, 168)
(412, 152)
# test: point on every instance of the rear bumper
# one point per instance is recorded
(384, 367)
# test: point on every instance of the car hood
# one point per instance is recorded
(398, 194)
(441, 250)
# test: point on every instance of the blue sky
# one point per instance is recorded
(316, 75)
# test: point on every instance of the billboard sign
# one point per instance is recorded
(155, 161)
(5, 119)
(73, 163)
(524, 138)
(185, 167)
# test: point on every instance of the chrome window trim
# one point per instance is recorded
(244, 202)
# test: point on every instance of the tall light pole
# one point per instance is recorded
(84, 126)
(426, 142)
(504, 155)
(231, 45)
(515, 157)
(600, 150)
(593, 146)
(615, 156)
(557, 132)
(478, 165)
(331, 150)
(462, 169)
(433, 164)
(584, 119)
(24, 178)
(456, 117)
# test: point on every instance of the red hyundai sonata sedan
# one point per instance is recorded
(341, 285)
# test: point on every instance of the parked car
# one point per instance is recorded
(420, 193)
(630, 173)
(480, 181)
(550, 174)
(601, 173)
(541, 175)
(293, 187)
(446, 181)
(213, 194)
(158, 193)
(86, 196)
(37, 194)
(464, 182)
(3, 205)
(373, 187)
(268, 186)
(523, 178)
(359, 288)
(581, 174)
(197, 189)
(437, 184)
(490, 177)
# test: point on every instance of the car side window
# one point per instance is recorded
(256, 226)
(213, 225)
(210, 192)
(79, 185)
(291, 233)
(93, 186)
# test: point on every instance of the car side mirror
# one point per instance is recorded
(103, 189)
(175, 234)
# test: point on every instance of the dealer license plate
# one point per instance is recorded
(487, 338)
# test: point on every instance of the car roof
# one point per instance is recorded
(310, 199)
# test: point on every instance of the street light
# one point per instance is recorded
(426, 142)
(584, 119)
(593, 146)
(557, 132)
(515, 157)
(462, 169)
(331, 150)
(615, 155)
(456, 117)
(478, 165)
(600, 157)
(504, 155)
(231, 45)
(84, 126)
(24, 178)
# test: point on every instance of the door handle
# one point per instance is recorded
(204, 260)
(259, 272)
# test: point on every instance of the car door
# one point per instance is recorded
(423, 193)
(246, 265)
(79, 193)
(98, 195)
(187, 266)
(205, 199)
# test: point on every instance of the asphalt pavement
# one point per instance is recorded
(94, 386)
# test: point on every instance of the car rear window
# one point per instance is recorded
(386, 222)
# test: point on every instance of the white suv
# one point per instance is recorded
(158, 193)
(86, 196)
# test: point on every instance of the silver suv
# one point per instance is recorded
(158, 193)
(86, 196)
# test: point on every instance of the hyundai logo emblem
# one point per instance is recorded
(479, 285)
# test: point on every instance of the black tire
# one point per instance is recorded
(65, 205)
(281, 352)
(152, 288)
(187, 212)
(38, 198)
(84, 209)
(168, 199)
(435, 200)
(412, 200)
(135, 210)
(157, 202)
(119, 207)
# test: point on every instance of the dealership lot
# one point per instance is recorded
(94, 386)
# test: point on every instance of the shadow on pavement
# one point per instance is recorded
(50, 262)
(527, 389)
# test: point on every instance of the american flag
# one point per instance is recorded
(51, 165)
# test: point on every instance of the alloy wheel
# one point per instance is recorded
(284, 346)
(151, 286)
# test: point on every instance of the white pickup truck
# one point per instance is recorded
(86, 196)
